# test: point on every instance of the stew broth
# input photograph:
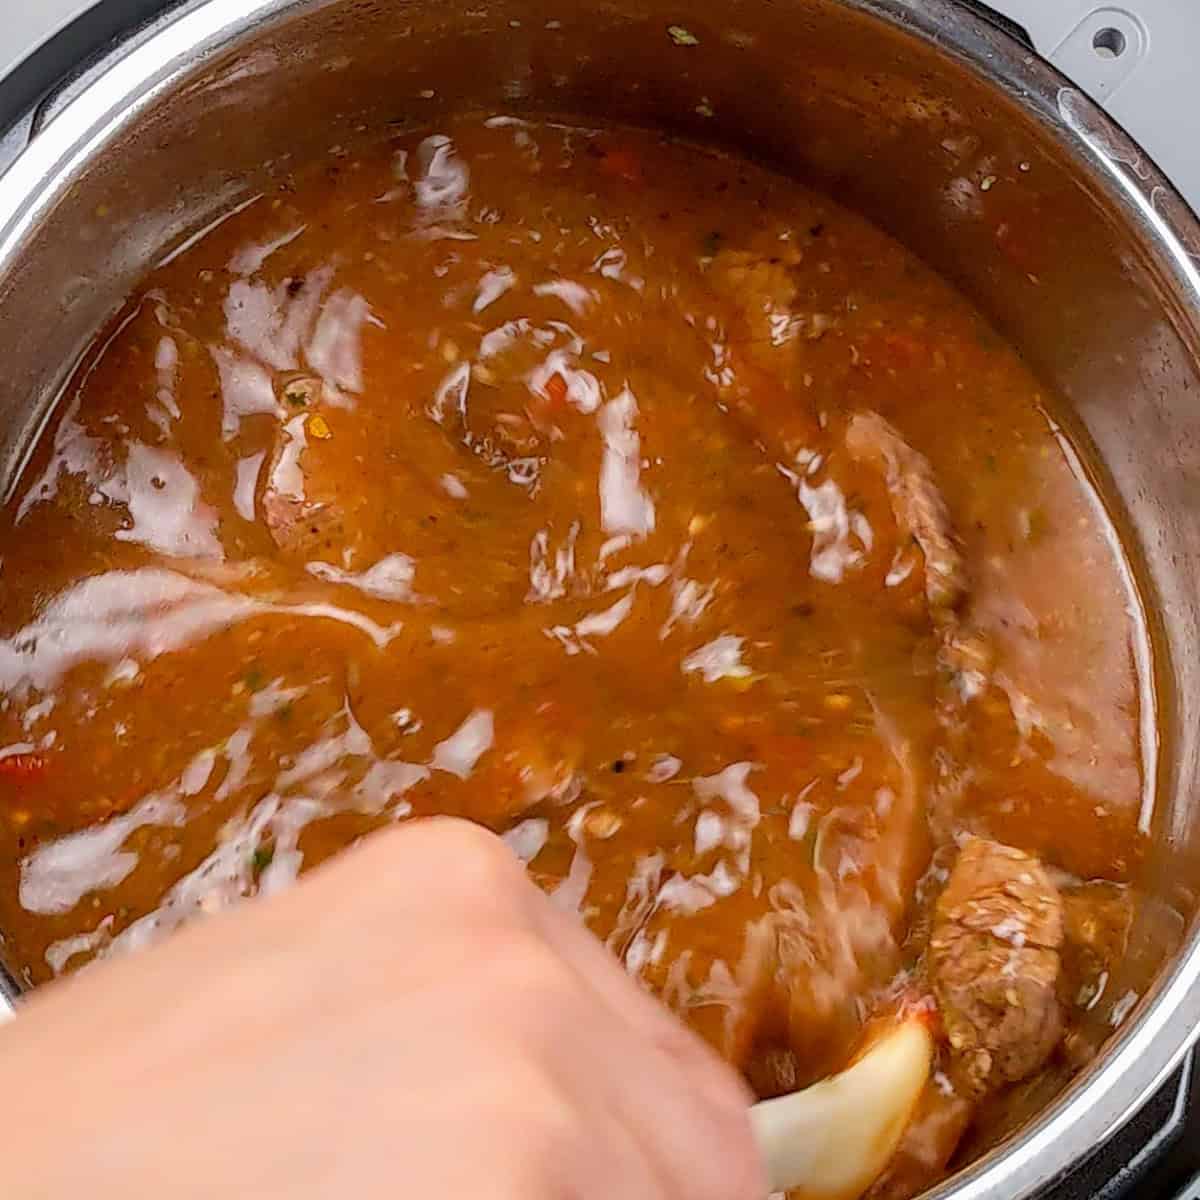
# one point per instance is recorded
(640, 504)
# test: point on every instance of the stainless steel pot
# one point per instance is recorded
(939, 127)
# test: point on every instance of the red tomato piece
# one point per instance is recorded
(23, 767)
(622, 163)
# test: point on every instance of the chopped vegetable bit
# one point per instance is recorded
(23, 766)
(681, 36)
(262, 859)
(741, 683)
(623, 163)
(299, 393)
(1036, 525)
(602, 823)
(319, 427)
(556, 389)
(254, 679)
(896, 349)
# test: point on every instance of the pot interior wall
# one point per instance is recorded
(873, 110)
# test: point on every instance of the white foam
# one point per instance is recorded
(56, 876)
(389, 579)
(165, 508)
(624, 506)
(719, 659)
(493, 285)
(463, 749)
(527, 839)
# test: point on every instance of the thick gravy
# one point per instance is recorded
(640, 504)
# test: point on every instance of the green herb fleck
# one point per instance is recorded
(263, 856)
(1036, 525)
(254, 680)
(681, 36)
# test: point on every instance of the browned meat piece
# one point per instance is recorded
(757, 368)
(917, 503)
(300, 500)
(301, 528)
(312, 496)
(764, 289)
(994, 960)
(970, 657)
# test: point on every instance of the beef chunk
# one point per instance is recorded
(764, 290)
(917, 504)
(970, 657)
(313, 500)
(757, 365)
(994, 960)
(302, 502)
(759, 286)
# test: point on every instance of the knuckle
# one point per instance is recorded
(445, 857)
(481, 861)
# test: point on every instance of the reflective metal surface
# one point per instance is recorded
(946, 133)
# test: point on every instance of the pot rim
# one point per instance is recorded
(119, 88)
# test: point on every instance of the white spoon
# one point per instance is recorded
(832, 1140)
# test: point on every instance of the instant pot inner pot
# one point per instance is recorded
(951, 143)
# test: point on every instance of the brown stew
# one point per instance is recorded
(640, 504)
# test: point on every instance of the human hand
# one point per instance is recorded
(413, 1019)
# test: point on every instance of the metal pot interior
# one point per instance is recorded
(900, 110)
